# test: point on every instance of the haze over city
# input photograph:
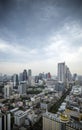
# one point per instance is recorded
(38, 34)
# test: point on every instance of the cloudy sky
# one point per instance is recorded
(38, 34)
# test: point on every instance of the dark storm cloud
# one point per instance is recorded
(30, 23)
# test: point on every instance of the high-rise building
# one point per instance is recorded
(25, 77)
(29, 77)
(15, 81)
(61, 72)
(22, 88)
(68, 75)
(5, 121)
(20, 77)
(29, 72)
(79, 79)
(1, 79)
(48, 75)
(36, 79)
(7, 91)
(1, 88)
(75, 77)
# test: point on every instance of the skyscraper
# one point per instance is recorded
(68, 75)
(22, 88)
(15, 81)
(25, 75)
(7, 91)
(5, 121)
(29, 72)
(29, 77)
(61, 72)
(20, 77)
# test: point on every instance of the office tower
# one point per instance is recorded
(20, 77)
(36, 79)
(5, 78)
(1, 88)
(79, 79)
(10, 84)
(1, 79)
(75, 77)
(22, 88)
(40, 76)
(29, 72)
(29, 77)
(15, 81)
(61, 72)
(5, 121)
(25, 75)
(7, 91)
(68, 75)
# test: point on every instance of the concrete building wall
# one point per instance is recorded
(61, 72)
(49, 124)
(0, 123)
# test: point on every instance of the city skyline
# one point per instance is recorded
(39, 34)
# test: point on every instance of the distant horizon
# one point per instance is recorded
(39, 34)
(21, 69)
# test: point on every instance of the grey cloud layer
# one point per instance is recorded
(30, 25)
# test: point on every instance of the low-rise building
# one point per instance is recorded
(45, 105)
(19, 117)
(59, 122)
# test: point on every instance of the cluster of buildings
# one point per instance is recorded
(11, 86)
(69, 115)
(24, 99)
(22, 77)
(64, 74)
(18, 113)
(42, 76)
